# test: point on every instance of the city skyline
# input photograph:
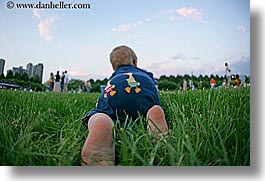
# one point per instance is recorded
(169, 37)
(31, 70)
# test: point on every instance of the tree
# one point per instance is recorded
(35, 79)
(2, 76)
(9, 74)
(24, 77)
(74, 84)
(17, 76)
(172, 78)
(163, 77)
(186, 76)
(167, 85)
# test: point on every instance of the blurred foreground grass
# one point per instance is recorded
(210, 127)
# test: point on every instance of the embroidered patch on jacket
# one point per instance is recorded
(132, 83)
(109, 90)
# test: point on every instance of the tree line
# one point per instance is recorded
(201, 82)
(166, 83)
(170, 83)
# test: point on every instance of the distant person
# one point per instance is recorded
(66, 80)
(88, 86)
(242, 80)
(51, 82)
(57, 85)
(185, 85)
(29, 86)
(193, 87)
(190, 83)
(130, 93)
(224, 85)
(62, 81)
(81, 87)
(212, 83)
(228, 74)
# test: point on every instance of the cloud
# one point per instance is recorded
(44, 28)
(174, 18)
(240, 65)
(191, 13)
(177, 57)
(73, 74)
(129, 26)
(124, 27)
(172, 14)
(178, 64)
(77, 73)
(241, 28)
(183, 57)
(36, 13)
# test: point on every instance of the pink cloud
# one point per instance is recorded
(77, 73)
(44, 28)
(86, 76)
(191, 13)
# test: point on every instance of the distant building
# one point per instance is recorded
(19, 70)
(2, 66)
(38, 71)
(30, 70)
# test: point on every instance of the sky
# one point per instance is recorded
(169, 37)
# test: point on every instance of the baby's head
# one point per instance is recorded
(122, 55)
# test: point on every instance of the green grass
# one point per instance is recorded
(210, 127)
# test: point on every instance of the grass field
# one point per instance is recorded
(210, 127)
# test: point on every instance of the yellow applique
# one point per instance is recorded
(132, 83)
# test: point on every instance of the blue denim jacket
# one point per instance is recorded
(130, 91)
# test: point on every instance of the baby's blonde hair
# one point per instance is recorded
(122, 55)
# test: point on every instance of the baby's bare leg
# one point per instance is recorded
(156, 121)
(98, 148)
